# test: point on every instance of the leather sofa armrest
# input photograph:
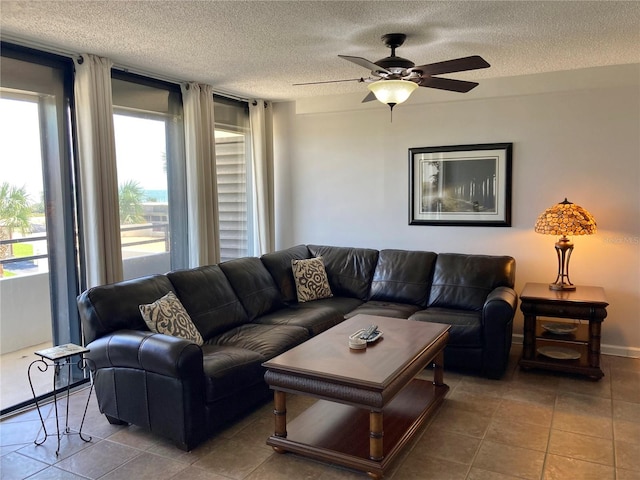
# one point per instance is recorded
(497, 319)
(501, 303)
(152, 352)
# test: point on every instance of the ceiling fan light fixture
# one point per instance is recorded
(392, 92)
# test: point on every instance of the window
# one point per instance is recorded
(150, 164)
(233, 169)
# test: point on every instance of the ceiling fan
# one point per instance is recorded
(394, 78)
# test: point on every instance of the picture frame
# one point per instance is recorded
(461, 185)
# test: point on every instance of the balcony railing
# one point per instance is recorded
(158, 229)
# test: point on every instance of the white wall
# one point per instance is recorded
(341, 174)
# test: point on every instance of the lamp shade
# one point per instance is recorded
(392, 92)
(566, 218)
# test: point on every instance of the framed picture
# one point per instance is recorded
(464, 185)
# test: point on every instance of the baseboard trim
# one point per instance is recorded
(616, 350)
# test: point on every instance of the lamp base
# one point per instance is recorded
(565, 287)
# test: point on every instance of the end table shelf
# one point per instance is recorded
(570, 345)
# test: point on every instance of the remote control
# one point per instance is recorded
(369, 332)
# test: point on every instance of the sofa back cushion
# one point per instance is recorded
(209, 298)
(464, 281)
(107, 308)
(279, 266)
(350, 270)
(253, 285)
(403, 276)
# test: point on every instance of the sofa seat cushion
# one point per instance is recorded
(385, 309)
(466, 326)
(230, 370)
(267, 340)
(209, 298)
(315, 320)
(403, 276)
(279, 266)
(341, 304)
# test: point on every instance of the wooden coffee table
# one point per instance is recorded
(370, 404)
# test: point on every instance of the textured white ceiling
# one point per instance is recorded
(259, 49)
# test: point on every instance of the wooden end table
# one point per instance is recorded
(370, 403)
(572, 347)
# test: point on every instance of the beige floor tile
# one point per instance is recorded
(147, 467)
(69, 445)
(627, 411)
(134, 436)
(256, 433)
(290, 466)
(525, 412)
(482, 404)
(625, 385)
(628, 455)
(233, 459)
(564, 468)
(513, 432)
(581, 447)
(536, 379)
(15, 433)
(53, 473)
(454, 419)
(627, 474)
(479, 474)
(428, 468)
(480, 430)
(98, 459)
(525, 393)
(585, 424)
(448, 446)
(194, 473)
(626, 431)
(621, 363)
(509, 460)
(482, 386)
(583, 404)
(584, 386)
(16, 466)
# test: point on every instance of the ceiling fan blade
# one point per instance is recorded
(331, 81)
(363, 62)
(447, 84)
(369, 98)
(473, 62)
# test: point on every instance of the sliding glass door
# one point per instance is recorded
(38, 241)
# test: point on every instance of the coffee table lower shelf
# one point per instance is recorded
(339, 433)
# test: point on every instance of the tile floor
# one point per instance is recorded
(527, 426)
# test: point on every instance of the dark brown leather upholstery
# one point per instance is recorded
(246, 312)
(350, 270)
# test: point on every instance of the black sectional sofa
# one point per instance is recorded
(246, 311)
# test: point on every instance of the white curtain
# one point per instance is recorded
(261, 120)
(98, 172)
(202, 188)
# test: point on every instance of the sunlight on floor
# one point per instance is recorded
(14, 382)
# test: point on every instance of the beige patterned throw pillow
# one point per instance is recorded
(311, 279)
(167, 315)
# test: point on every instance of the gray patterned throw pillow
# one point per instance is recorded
(167, 315)
(311, 279)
